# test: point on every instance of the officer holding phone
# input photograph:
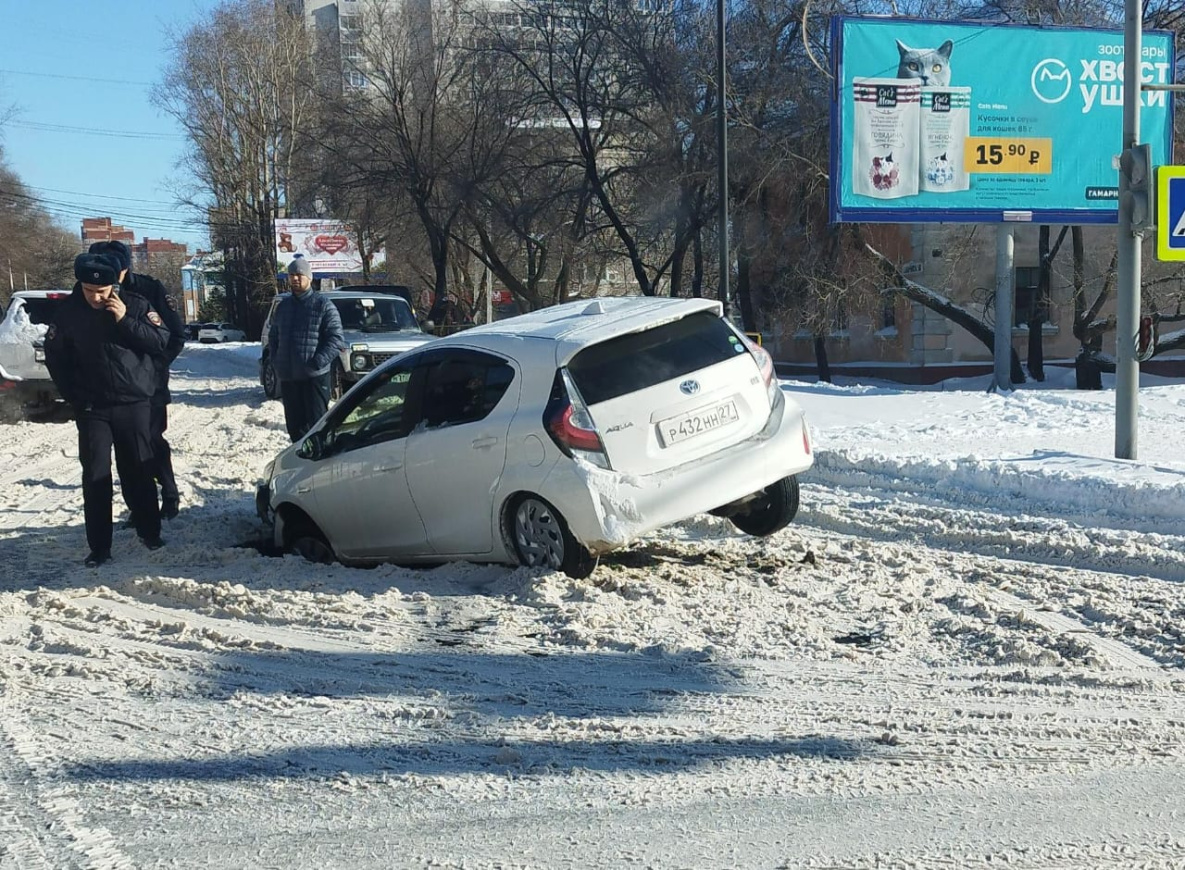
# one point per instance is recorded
(100, 353)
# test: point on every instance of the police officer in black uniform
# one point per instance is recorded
(158, 297)
(99, 351)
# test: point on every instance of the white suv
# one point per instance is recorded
(24, 380)
(377, 326)
(546, 440)
(218, 333)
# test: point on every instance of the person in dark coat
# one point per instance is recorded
(304, 339)
(158, 297)
(100, 353)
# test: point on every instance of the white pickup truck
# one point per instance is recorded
(25, 386)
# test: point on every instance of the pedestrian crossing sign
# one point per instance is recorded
(1170, 217)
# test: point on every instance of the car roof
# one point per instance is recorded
(359, 293)
(352, 293)
(40, 294)
(573, 326)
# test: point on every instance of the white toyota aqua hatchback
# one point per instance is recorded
(546, 440)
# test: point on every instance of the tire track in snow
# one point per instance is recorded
(870, 512)
(66, 476)
(41, 826)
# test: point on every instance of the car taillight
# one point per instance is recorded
(765, 363)
(806, 439)
(57, 295)
(569, 424)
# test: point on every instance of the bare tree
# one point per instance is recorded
(34, 250)
(239, 83)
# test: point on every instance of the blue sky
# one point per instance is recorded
(85, 136)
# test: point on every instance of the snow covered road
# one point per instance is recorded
(967, 652)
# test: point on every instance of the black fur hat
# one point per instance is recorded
(100, 270)
(117, 250)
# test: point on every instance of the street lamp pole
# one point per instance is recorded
(722, 155)
(1129, 265)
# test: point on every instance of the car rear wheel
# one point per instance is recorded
(541, 539)
(771, 510)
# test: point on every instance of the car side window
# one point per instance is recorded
(464, 389)
(381, 414)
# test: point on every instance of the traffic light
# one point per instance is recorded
(1135, 165)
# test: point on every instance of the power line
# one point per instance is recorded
(21, 72)
(92, 131)
(72, 211)
(103, 196)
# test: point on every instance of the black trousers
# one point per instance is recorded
(305, 402)
(127, 428)
(162, 467)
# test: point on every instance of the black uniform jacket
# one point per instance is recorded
(158, 297)
(96, 362)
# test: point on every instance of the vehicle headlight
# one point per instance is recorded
(359, 362)
(38, 355)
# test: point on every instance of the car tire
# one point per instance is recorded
(308, 542)
(337, 382)
(267, 375)
(540, 538)
(771, 510)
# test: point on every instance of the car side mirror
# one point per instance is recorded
(313, 446)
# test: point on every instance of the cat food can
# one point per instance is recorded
(946, 122)
(886, 150)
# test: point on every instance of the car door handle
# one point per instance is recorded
(482, 443)
(393, 466)
(304, 489)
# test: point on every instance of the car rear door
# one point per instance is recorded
(672, 394)
(457, 455)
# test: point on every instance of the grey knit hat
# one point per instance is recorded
(300, 266)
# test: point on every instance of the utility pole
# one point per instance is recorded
(722, 155)
(1005, 247)
(489, 295)
(1127, 367)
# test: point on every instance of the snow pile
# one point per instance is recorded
(16, 328)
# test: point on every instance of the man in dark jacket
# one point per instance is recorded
(158, 297)
(99, 351)
(304, 339)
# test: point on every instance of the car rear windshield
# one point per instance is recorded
(639, 360)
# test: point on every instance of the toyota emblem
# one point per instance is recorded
(690, 388)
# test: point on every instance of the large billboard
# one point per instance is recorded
(327, 244)
(962, 122)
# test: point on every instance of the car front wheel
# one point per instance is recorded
(308, 542)
(770, 510)
(541, 539)
(271, 383)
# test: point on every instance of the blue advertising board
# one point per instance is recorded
(949, 121)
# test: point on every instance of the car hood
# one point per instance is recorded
(399, 341)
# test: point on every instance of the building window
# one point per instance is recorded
(1026, 300)
(888, 314)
